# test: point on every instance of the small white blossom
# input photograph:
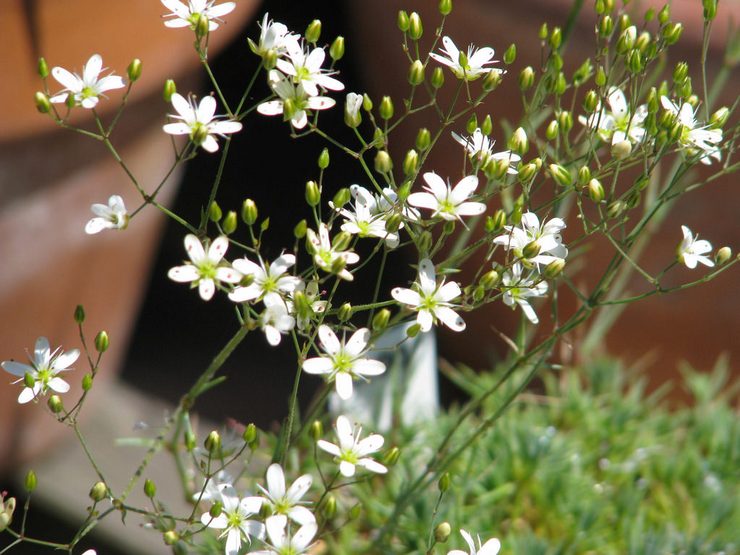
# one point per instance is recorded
(471, 66)
(275, 320)
(266, 279)
(188, 15)
(517, 290)
(694, 138)
(274, 37)
(310, 309)
(294, 101)
(282, 502)
(43, 370)
(431, 301)
(491, 547)
(480, 150)
(283, 544)
(234, 519)
(619, 124)
(343, 362)
(110, 216)
(352, 105)
(327, 257)
(85, 90)
(211, 490)
(546, 240)
(200, 122)
(204, 268)
(352, 451)
(366, 220)
(304, 67)
(449, 203)
(692, 250)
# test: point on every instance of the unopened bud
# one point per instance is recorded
(556, 38)
(134, 70)
(150, 488)
(55, 404)
(269, 59)
(621, 149)
(323, 161)
(386, 108)
(438, 78)
(249, 212)
(526, 78)
(30, 482)
(341, 241)
(672, 32)
(341, 197)
(591, 102)
(710, 9)
(98, 492)
(552, 130)
(634, 61)
(424, 242)
(216, 509)
(491, 80)
(615, 209)
(87, 382)
(313, 32)
(102, 342)
(313, 193)
(393, 223)
(626, 40)
(543, 31)
(391, 457)
(413, 330)
(519, 142)
(723, 255)
(583, 72)
(596, 191)
(510, 54)
(490, 279)
(42, 102)
(527, 172)
(606, 26)
(680, 72)
(345, 312)
(444, 482)
(719, 118)
(171, 537)
(664, 14)
(442, 532)
(213, 442)
(168, 90)
(380, 320)
(29, 380)
(416, 30)
(250, 434)
(317, 430)
(584, 175)
(79, 314)
(600, 78)
(214, 212)
(228, 226)
(329, 510)
(383, 162)
(423, 139)
(445, 7)
(410, 162)
(42, 68)
(403, 21)
(299, 231)
(531, 250)
(416, 73)
(189, 440)
(554, 268)
(336, 50)
(561, 175)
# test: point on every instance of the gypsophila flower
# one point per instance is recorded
(205, 268)
(491, 547)
(212, 488)
(90, 552)
(265, 279)
(480, 150)
(287, 503)
(693, 138)
(85, 90)
(275, 320)
(41, 375)
(310, 309)
(234, 519)
(692, 250)
(343, 362)
(110, 216)
(533, 243)
(619, 124)
(200, 122)
(188, 15)
(294, 101)
(366, 220)
(468, 66)
(283, 544)
(274, 38)
(449, 203)
(517, 290)
(327, 257)
(352, 451)
(431, 301)
(352, 105)
(304, 67)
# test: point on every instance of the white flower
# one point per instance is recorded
(275, 319)
(266, 279)
(480, 150)
(366, 220)
(518, 289)
(693, 138)
(90, 552)
(305, 69)
(692, 250)
(234, 519)
(432, 301)
(287, 503)
(211, 490)
(110, 216)
(618, 125)
(198, 122)
(274, 36)
(205, 269)
(305, 312)
(352, 105)
(281, 543)
(294, 101)
(43, 370)
(343, 362)
(446, 202)
(468, 66)
(87, 89)
(188, 15)
(327, 257)
(352, 451)
(491, 547)
(547, 244)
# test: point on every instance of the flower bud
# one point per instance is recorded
(416, 73)
(317, 430)
(519, 142)
(591, 102)
(634, 61)
(684, 90)
(250, 434)
(491, 80)
(134, 70)
(438, 78)
(342, 241)
(55, 404)
(249, 212)
(490, 279)
(313, 32)
(383, 162)
(423, 139)
(723, 255)
(442, 532)
(367, 103)
(664, 14)
(710, 9)
(201, 26)
(554, 268)
(424, 242)
(98, 492)
(622, 149)
(531, 249)
(584, 175)
(216, 509)
(416, 30)
(102, 342)
(344, 313)
(329, 508)
(42, 102)
(556, 38)
(672, 32)
(582, 74)
(626, 40)
(28, 380)
(87, 382)
(269, 59)
(527, 172)
(600, 78)
(79, 314)
(189, 440)
(403, 21)
(150, 488)
(510, 54)
(552, 130)
(391, 457)
(380, 319)
(526, 78)
(543, 31)
(393, 223)
(214, 212)
(596, 191)
(606, 26)
(561, 175)
(313, 193)
(615, 209)
(228, 226)
(299, 231)
(212, 442)
(336, 50)
(413, 330)
(386, 108)
(410, 162)
(42, 68)
(171, 537)
(445, 7)
(168, 90)
(30, 481)
(719, 118)
(341, 197)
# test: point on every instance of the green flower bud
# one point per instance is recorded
(531, 249)
(487, 125)
(70, 102)
(448, 228)
(723, 255)
(410, 162)
(416, 73)
(510, 54)
(383, 162)
(264, 226)
(582, 74)
(323, 161)
(216, 509)
(556, 38)
(87, 382)
(600, 78)
(516, 213)
(625, 22)
(552, 130)
(424, 242)
(710, 9)
(584, 175)
(228, 226)
(171, 537)
(313, 32)
(386, 108)
(317, 430)
(250, 434)
(380, 319)
(404, 191)
(442, 532)
(490, 279)
(212, 442)
(168, 90)
(337, 265)
(336, 50)
(478, 294)
(28, 380)
(491, 80)
(134, 70)
(55, 404)
(342, 240)
(344, 313)
(445, 7)
(527, 172)
(367, 103)
(561, 176)
(719, 118)
(685, 89)
(102, 342)
(596, 191)
(438, 78)
(214, 212)
(413, 330)
(299, 231)
(526, 78)
(634, 61)
(249, 212)
(329, 510)
(403, 21)
(642, 42)
(672, 32)
(591, 102)
(632, 199)
(98, 492)
(615, 209)
(606, 26)
(649, 15)
(313, 193)
(416, 30)
(79, 314)
(189, 440)
(543, 32)
(518, 141)
(393, 223)
(626, 40)
(42, 68)
(423, 139)
(42, 102)
(201, 27)
(444, 482)
(621, 150)
(391, 457)
(554, 269)
(664, 15)
(30, 481)
(498, 221)
(341, 197)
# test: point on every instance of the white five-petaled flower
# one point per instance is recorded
(468, 66)
(294, 101)
(534, 243)
(282, 502)
(692, 250)
(43, 370)
(366, 220)
(431, 301)
(283, 544)
(327, 257)
(199, 122)
(694, 138)
(305, 68)
(352, 451)
(491, 547)
(234, 519)
(449, 203)
(517, 290)
(204, 268)
(108, 216)
(274, 37)
(212, 488)
(266, 279)
(85, 90)
(480, 150)
(619, 124)
(275, 319)
(343, 361)
(188, 15)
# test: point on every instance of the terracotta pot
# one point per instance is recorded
(49, 178)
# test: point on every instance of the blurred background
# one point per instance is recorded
(162, 334)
